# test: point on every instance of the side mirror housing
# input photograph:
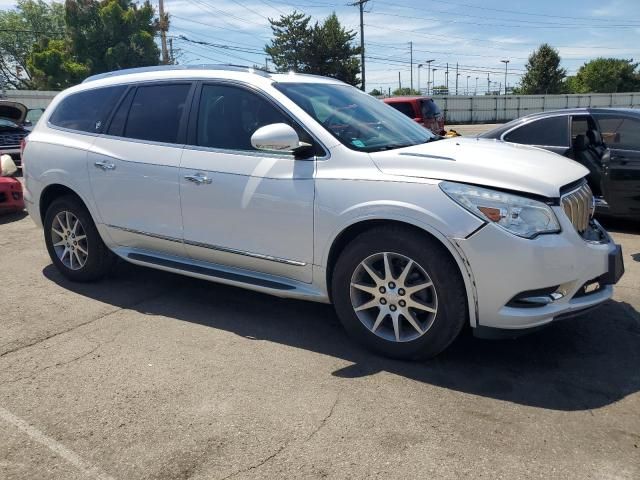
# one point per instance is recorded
(277, 137)
(7, 166)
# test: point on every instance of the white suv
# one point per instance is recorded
(304, 187)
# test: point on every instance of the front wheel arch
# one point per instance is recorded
(357, 228)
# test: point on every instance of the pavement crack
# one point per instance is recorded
(326, 418)
(75, 327)
(259, 464)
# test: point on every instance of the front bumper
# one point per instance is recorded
(504, 266)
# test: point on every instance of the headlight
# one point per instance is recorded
(519, 215)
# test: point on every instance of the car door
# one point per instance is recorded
(242, 207)
(621, 133)
(134, 168)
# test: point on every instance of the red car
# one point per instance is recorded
(422, 109)
(11, 199)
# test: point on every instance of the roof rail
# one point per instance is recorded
(163, 68)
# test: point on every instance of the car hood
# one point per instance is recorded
(491, 163)
(14, 111)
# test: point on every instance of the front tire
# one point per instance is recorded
(399, 293)
(73, 241)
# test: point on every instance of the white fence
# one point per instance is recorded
(31, 98)
(500, 108)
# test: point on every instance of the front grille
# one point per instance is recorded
(11, 139)
(578, 205)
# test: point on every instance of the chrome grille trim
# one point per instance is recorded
(578, 205)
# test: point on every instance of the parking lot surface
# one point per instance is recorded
(149, 375)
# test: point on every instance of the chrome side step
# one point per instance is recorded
(256, 281)
(209, 272)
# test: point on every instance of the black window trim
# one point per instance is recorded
(193, 122)
(82, 132)
(530, 122)
(181, 137)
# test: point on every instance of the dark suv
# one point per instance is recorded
(605, 140)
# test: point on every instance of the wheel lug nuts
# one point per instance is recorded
(401, 291)
(383, 301)
(392, 308)
(402, 303)
(383, 290)
(392, 285)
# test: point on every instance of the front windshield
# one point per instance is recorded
(358, 120)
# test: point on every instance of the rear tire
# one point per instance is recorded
(73, 241)
(399, 292)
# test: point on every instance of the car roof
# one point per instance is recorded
(406, 98)
(188, 72)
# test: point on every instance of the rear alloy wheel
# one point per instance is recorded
(399, 292)
(73, 241)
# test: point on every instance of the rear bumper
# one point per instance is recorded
(505, 266)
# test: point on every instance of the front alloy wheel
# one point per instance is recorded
(393, 296)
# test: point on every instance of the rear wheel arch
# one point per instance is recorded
(53, 192)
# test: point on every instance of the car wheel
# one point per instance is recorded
(399, 293)
(73, 242)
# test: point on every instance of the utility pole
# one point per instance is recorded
(457, 75)
(468, 84)
(399, 82)
(172, 59)
(361, 3)
(420, 65)
(411, 62)
(488, 85)
(446, 78)
(163, 32)
(506, 66)
(428, 62)
(475, 92)
(433, 80)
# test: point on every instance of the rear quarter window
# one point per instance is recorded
(87, 111)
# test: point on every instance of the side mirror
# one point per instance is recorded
(277, 137)
(7, 166)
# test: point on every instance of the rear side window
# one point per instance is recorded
(156, 112)
(404, 107)
(87, 111)
(549, 132)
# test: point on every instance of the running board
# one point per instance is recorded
(209, 272)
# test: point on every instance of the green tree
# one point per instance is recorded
(606, 75)
(53, 68)
(543, 75)
(321, 49)
(31, 22)
(331, 52)
(405, 91)
(376, 93)
(290, 46)
(112, 34)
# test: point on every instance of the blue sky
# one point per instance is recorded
(475, 33)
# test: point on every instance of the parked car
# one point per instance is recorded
(305, 187)
(13, 128)
(423, 110)
(584, 134)
(11, 198)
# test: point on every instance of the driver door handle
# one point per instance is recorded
(198, 178)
